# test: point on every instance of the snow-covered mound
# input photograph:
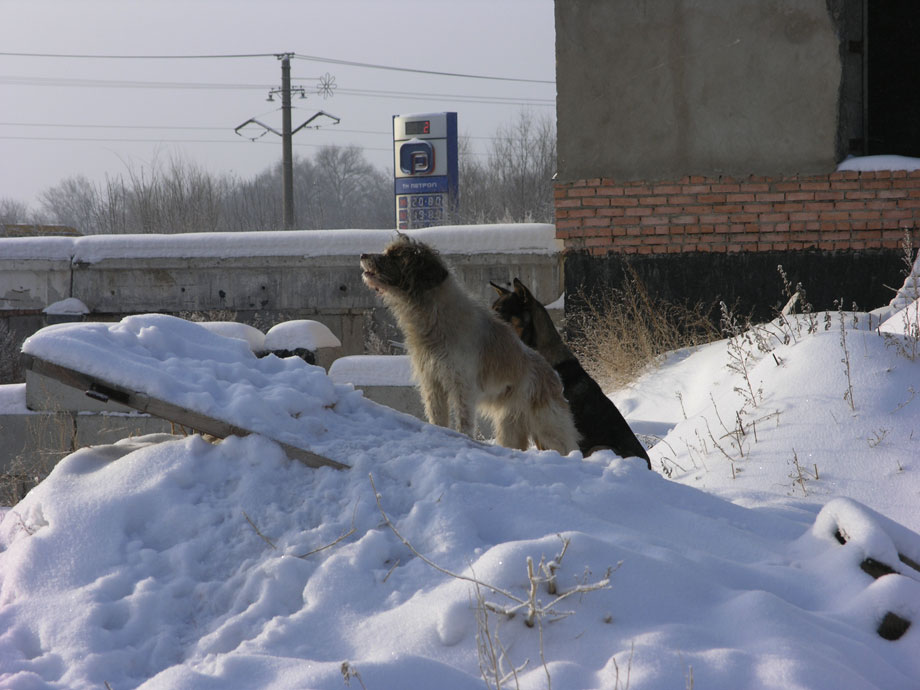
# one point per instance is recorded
(300, 334)
(175, 563)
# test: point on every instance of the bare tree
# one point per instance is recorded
(514, 183)
(72, 202)
(523, 161)
(14, 212)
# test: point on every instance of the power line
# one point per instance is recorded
(483, 100)
(158, 140)
(98, 126)
(298, 56)
(75, 56)
(137, 140)
(371, 65)
(11, 80)
(209, 128)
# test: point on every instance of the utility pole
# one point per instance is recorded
(326, 87)
(287, 146)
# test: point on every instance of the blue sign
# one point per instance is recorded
(425, 169)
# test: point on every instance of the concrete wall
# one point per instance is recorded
(659, 90)
(257, 278)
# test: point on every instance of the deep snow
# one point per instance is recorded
(169, 562)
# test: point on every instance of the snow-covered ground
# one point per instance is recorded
(170, 562)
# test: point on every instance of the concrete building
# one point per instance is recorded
(699, 143)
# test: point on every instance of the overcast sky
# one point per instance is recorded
(63, 116)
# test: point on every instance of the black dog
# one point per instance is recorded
(597, 419)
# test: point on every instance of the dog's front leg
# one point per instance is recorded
(510, 432)
(434, 398)
(463, 407)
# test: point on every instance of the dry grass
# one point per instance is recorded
(619, 334)
(52, 437)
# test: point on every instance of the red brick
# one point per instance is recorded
(568, 203)
(567, 224)
(595, 201)
(597, 223)
(640, 189)
(597, 242)
(638, 211)
(739, 198)
(743, 217)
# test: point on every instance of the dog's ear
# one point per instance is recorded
(521, 291)
(500, 290)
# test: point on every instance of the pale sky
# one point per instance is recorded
(63, 116)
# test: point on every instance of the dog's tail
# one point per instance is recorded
(552, 426)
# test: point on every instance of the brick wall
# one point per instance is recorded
(840, 211)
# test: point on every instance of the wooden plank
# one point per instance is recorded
(104, 391)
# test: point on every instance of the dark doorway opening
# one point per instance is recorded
(893, 77)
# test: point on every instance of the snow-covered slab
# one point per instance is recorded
(165, 366)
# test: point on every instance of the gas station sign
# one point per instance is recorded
(425, 169)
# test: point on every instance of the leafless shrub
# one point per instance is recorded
(617, 335)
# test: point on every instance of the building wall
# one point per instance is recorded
(698, 146)
(661, 90)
